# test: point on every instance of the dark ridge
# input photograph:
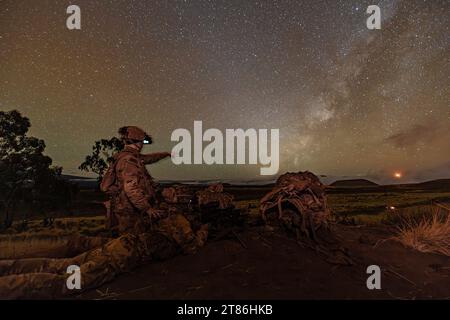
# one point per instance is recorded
(435, 184)
(72, 177)
(354, 183)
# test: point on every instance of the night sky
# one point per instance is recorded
(348, 101)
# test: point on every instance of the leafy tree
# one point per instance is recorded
(27, 177)
(102, 154)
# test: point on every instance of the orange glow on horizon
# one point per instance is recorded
(398, 175)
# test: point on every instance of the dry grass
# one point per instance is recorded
(430, 234)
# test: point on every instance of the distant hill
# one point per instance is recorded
(435, 184)
(225, 182)
(72, 177)
(82, 182)
(354, 183)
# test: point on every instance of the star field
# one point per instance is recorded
(348, 101)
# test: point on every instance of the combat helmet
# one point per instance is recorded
(133, 134)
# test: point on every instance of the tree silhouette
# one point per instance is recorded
(102, 154)
(27, 175)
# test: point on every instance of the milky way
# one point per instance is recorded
(348, 101)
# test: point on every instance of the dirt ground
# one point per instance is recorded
(261, 265)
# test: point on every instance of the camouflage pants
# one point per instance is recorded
(46, 278)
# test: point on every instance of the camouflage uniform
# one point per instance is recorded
(137, 190)
(46, 278)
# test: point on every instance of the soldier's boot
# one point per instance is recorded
(199, 240)
(201, 235)
(178, 228)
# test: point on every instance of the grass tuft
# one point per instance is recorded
(430, 234)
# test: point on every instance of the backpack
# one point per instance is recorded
(110, 186)
(109, 183)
